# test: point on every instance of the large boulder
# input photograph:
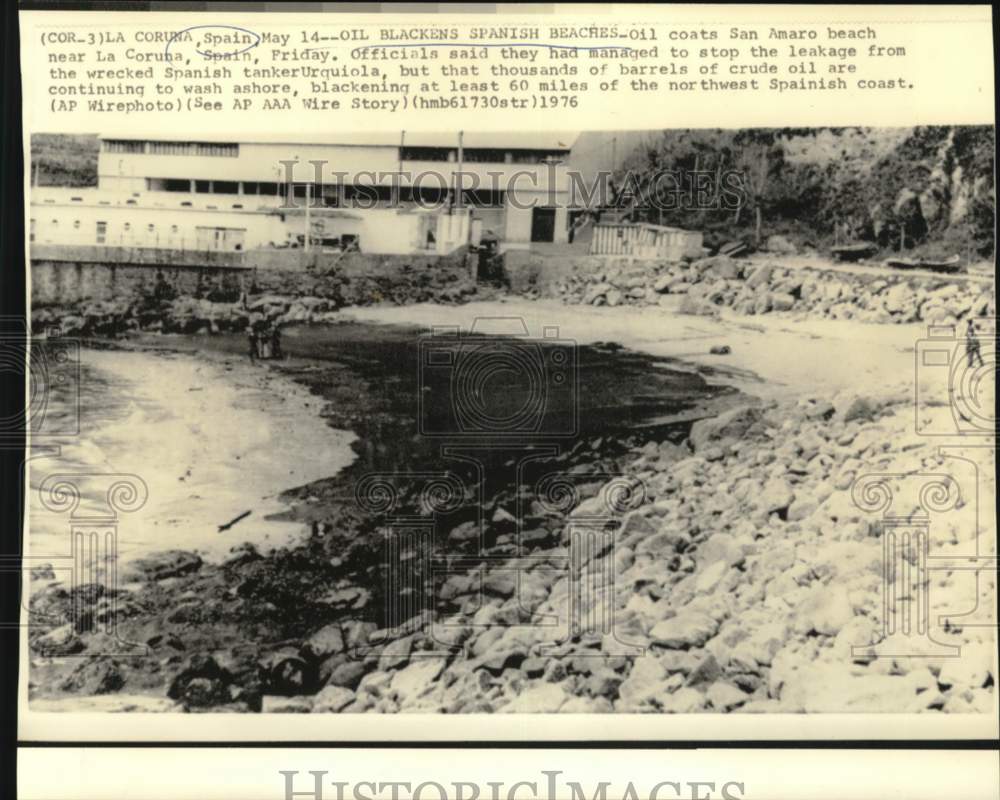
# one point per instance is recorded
(596, 292)
(781, 301)
(720, 267)
(779, 244)
(157, 566)
(734, 425)
(687, 629)
(760, 276)
(698, 306)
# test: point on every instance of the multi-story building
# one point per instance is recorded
(398, 193)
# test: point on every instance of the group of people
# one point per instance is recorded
(264, 341)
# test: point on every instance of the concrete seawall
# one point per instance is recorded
(63, 275)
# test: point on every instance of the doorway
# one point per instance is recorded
(543, 224)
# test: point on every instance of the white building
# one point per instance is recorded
(398, 193)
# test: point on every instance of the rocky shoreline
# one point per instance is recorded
(746, 286)
(746, 573)
(753, 287)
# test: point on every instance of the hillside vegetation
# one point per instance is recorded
(928, 189)
(62, 159)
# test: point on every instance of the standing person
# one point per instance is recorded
(276, 342)
(252, 342)
(264, 341)
(972, 345)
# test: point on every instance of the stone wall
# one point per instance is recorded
(82, 296)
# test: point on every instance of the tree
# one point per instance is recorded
(759, 157)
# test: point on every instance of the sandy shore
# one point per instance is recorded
(212, 437)
(772, 356)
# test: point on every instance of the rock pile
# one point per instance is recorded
(750, 287)
(744, 576)
(296, 303)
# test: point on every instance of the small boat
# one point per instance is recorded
(953, 264)
(734, 249)
(854, 252)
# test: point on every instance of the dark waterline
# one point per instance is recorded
(500, 484)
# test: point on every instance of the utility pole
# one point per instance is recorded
(399, 183)
(458, 175)
(308, 217)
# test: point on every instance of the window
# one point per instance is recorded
(168, 185)
(203, 187)
(173, 229)
(76, 199)
(130, 202)
(225, 187)
(123, 146)
(76, 224)
(427, 153)
(205, 149)
(128, 226)
(186, 203)
(537, 156)
(483, 198)
(484, 155)
(102, 232)
(32, 236)
(169, 148)
(150, 227)
(237, 205)
(226, 149)
(55, 223)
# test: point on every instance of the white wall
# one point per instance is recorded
(59, 219)
(262, 163)
(138, 226)
(518, 228)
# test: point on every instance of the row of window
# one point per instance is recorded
(481, 155)
(229, 150)
(326, 194)
(101, 228)
(477, 155)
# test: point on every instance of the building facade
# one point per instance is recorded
(399, 194)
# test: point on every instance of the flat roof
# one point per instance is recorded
(506, 140)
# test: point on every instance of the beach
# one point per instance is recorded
(738, 614)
